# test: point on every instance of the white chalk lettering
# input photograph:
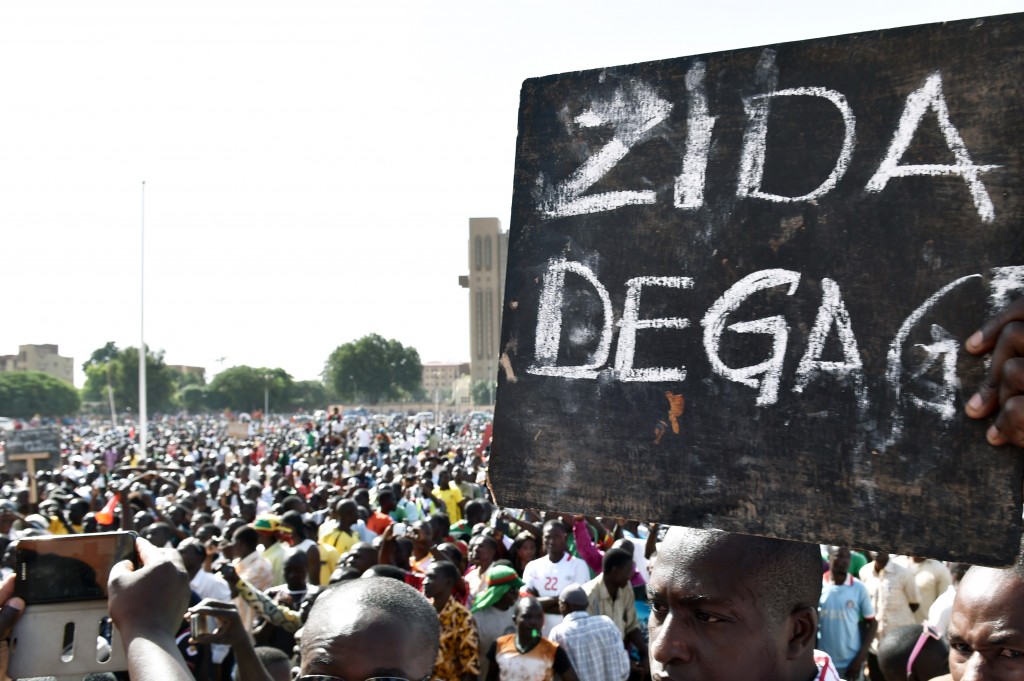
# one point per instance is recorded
(1005, 281)
(699, 126)
(832, 312)
(549, 323)
(929, 97)
(944, 346)
(631, 322)
(633, 113)
(714, 324)
(756, 137)
(894, 357)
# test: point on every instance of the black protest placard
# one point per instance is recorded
(739, 285)
(32, 449)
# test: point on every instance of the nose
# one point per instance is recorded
(668, 646)
(975, 668)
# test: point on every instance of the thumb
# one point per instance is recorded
(123, 567)
(9, 614)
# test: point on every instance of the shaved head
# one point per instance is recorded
(370, 627)
(787, 573)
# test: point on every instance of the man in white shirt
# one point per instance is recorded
(548, 575)
(205, 585)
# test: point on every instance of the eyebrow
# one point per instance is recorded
(695, 599)
(391, 671)
(1002, 638)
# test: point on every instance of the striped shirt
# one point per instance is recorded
(594, 646)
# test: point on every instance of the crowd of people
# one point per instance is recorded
(320, 550)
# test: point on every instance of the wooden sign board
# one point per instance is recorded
(238, 430)
(739, 285)
(32, 449)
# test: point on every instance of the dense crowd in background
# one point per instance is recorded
(265, 522)
(268, 520)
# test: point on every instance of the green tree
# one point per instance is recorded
(101, 355)
(120, 370)
(372, 369)
(309, 396)
(482, 392)
(193, 398)
(189, 391)
(241, 388)
(23, 394)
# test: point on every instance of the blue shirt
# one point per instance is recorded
(840, 611)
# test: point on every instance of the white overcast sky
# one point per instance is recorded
(310, 166)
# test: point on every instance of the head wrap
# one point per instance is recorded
(500, 579)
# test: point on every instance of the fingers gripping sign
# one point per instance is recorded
(1002, 392)
(9, 614)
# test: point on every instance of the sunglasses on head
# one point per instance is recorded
(927, 631)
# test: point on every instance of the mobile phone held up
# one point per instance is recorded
(67, 568)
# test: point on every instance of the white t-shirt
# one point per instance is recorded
(550, 578)
(942, 608)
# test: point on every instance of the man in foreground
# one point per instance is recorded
(367, 628)
(986, 628)
(736, 608)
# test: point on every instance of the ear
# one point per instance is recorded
(802, 632)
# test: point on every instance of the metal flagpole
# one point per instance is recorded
(142, 329)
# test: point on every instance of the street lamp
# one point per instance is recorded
(266, 399)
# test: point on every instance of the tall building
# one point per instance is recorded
(488, 248)
(44, 358)
(441, 376)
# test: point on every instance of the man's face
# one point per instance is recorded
(706, 622)
(364, 558)
(986, 628)
(554, 539)
(621, 576)
(840, 561)
(480, 549)
(295, 571)
(434, 583)
(529, 616)
(420, 534)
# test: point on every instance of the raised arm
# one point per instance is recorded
(147, 605)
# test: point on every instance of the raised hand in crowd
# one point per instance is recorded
(230, 631)
(147, 604)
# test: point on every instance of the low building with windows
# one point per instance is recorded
(44, 358)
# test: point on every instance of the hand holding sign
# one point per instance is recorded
(1003, 390)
